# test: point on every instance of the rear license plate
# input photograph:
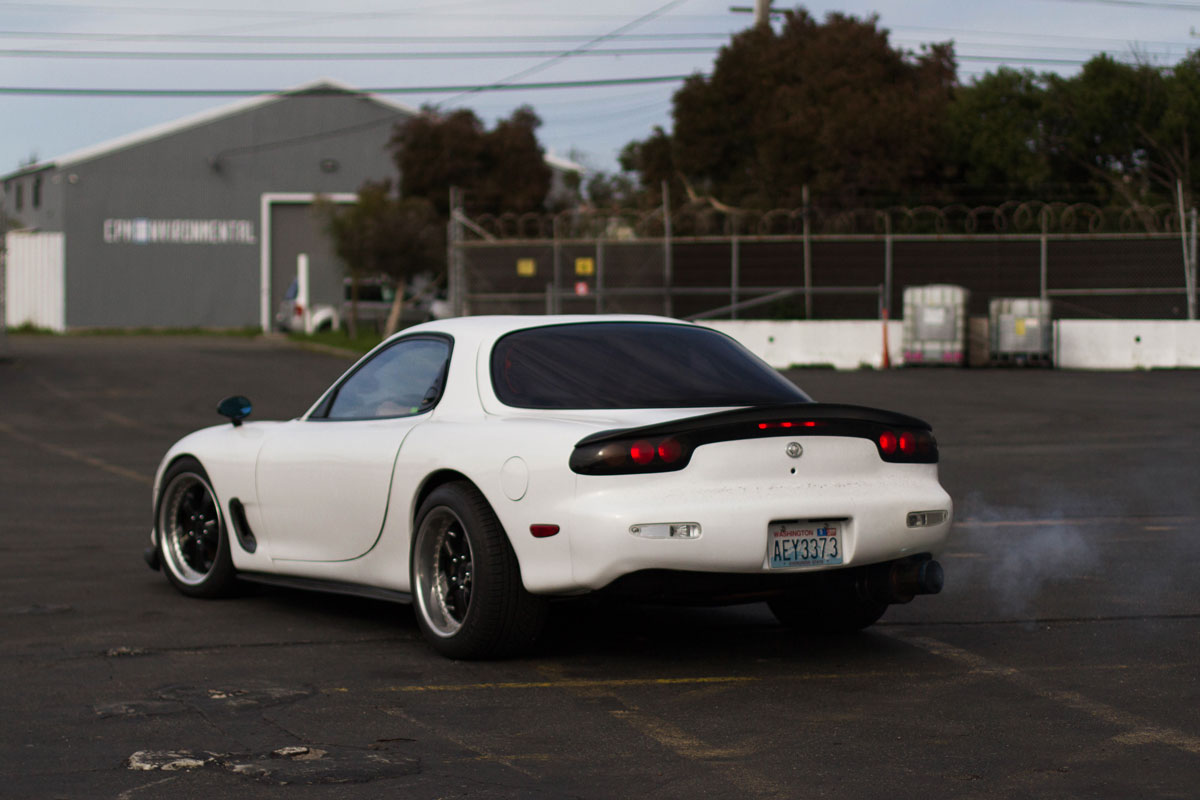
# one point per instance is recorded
(804, 544)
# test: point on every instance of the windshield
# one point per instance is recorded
(632, 365)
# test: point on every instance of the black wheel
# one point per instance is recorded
(193, 543)
(466, 583)
(838, 604)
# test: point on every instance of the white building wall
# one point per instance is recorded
(34, 272)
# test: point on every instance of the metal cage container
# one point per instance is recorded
(935, 325)
(1020, 330)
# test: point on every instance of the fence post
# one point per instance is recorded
(1191, 271)
(735, 269)
(557, 285)
(887, 266)
(807, 256)
(600, 273)
(454, 274)
(668, 266)
(1043, 257)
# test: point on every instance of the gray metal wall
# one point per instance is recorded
(215, 171)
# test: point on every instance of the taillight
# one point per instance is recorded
(641, 452)
(631, 456)
(907, 446)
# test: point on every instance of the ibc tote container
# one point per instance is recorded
(1020, 330)
(935, 325)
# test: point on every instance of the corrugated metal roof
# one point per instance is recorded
(210, 115)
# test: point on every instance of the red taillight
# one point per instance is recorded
(808, 423)
(888, 443)
(641, 452)
(908, 443)
(632, 456)
(298, 310)
(669, 450)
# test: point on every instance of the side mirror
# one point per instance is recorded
(237, 408)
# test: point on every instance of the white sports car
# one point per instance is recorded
(478, 467)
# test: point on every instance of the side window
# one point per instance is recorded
(403, 380)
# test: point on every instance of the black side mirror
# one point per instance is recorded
(237, 408)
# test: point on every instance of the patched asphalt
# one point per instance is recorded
(1061, 660)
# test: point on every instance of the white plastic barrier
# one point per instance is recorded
(1126, 344)
(843, 344)
(34, 280)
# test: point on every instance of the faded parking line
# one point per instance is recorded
(1069, 522)
(76, 455)
(599, 683)
(1137, 730)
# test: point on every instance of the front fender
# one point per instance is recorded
(228, 454)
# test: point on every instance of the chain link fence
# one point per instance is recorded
(1091, 262)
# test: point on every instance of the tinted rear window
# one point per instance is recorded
(632, 365)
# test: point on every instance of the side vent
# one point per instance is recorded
(241, 528)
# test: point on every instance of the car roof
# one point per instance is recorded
(490, 328)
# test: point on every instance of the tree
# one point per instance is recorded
(382, 234)
(831, 105)
(500, 170)
(995, 138)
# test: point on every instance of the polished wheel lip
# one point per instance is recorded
(443, 578)
(190, 546)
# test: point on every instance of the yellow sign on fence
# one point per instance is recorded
(526, 267)
(585, 266)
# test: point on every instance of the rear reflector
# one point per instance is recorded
(542, 531)
(925, 519)
(667, 530)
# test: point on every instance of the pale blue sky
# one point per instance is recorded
(591, 123)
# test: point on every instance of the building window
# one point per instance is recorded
(19, 199)
(37, 192)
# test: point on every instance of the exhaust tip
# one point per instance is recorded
(931, 577)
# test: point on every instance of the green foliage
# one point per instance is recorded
(500, 170)
(833, 106)
(829, 105)
(382, 234)
(362, 342)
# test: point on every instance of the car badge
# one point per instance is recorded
(795, 450)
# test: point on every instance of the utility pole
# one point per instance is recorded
(762, 11)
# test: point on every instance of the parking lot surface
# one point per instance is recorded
(1062, 659)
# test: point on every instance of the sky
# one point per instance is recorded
(431, 45)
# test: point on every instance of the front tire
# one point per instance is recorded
(466, 582)
(193, 542)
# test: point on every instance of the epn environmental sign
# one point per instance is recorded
(179, 231)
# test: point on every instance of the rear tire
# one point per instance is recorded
(838, 604)
(193, 542)
(466, 582)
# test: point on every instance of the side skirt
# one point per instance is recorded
(329, 587)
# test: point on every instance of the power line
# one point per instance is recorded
(585, 46)
(176, 55)
(386, 90)
(1175, 5)
(262, 38)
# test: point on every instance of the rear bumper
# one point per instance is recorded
(868, 500)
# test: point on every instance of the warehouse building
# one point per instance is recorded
(195, 223)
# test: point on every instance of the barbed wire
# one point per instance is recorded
(1012, 217)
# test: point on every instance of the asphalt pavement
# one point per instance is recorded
(1062, 660)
